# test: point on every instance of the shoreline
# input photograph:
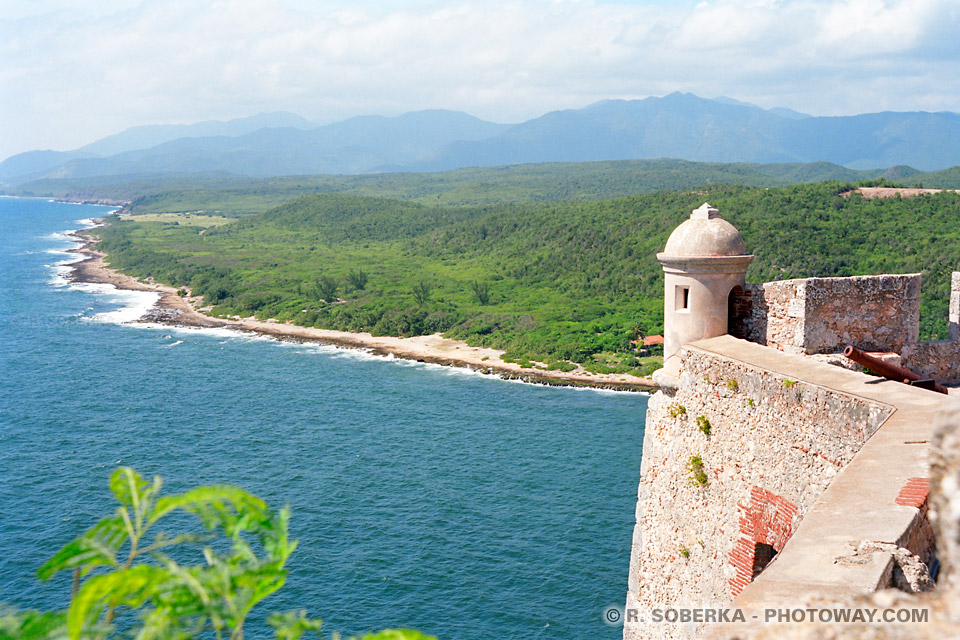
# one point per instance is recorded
(177, 311)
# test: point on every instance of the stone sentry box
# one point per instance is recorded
(704, 261)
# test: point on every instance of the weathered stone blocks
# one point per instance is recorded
(822, 315)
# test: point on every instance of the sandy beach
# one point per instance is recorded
(176, 310)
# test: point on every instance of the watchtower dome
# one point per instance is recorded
(704, 261)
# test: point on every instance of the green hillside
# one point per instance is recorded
(548, 281)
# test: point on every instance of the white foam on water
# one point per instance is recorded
(60, 273)
(64, 252)
(213, 332)
(62, 235)
(134, 303)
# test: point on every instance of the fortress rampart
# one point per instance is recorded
(874, 313)
(770, 474)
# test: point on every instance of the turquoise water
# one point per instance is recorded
(428, 497)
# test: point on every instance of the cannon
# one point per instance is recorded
(890, 371)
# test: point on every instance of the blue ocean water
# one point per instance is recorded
(423, 496)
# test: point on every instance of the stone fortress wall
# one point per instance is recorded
(873, 313)
(767, 472)
(940, 603)
(773, 447)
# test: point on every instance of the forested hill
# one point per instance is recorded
(562, 281)
(233, 196)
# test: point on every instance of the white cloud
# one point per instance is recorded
(71, 74)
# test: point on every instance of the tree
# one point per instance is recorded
(421, 292)
(357, 279)
(327, 289)
(482, 291)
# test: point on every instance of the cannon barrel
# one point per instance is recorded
(890, 371)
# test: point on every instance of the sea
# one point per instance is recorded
(422, 496)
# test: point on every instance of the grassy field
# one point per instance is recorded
(197, 219)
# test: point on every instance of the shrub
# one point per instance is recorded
(327, 289)
(676, 410)
(703, 424)
(481, 290)
(357, 279)
(421, 292)
(698, 475)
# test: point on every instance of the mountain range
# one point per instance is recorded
(678, 125)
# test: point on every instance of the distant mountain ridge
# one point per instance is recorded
(681, 126)
(147, 136)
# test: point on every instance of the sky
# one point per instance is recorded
(73, 72)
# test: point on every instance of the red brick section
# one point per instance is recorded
(914, 493)
(768, 519)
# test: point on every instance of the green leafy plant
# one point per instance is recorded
(733, 385)
(703, 425)
(117, 568)
(357, 278)
(292, 625)
(481, 290)
(134, 578)
(789, 383)
(684, 552)
(698, 475)
(750, 403)
(675, 410)
(421, 292)
(327, 289)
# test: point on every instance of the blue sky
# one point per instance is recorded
(73, 72)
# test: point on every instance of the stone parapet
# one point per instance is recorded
(822, 315)
(939, 361)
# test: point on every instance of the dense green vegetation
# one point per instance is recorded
(549, 182)
(551, 282)
(131, 578)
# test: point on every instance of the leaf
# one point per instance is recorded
(214, 505)
(129, 487)
(31, 624)
(130, 587)
(397, 634)
(291, 625)
(98, 546)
